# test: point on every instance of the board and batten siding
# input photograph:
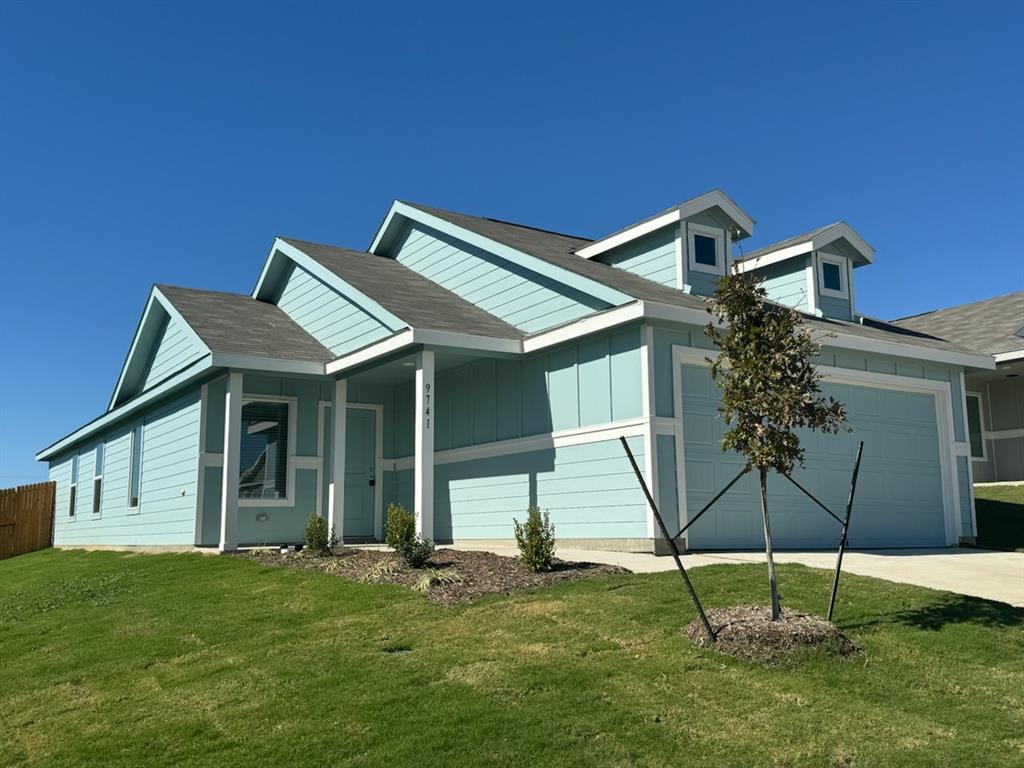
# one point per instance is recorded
(517, 295)
(595, 381)
(168, 481)
(330, 318)
(652, 257)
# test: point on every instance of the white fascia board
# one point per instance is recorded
(541, 267)
(423, 338)
(774, 257)
(712, 199)
(155, 297)
(194, 371)
(1008, 357)
(627, 235)
(311, 265)
(843, 231)
(899, 349)
(585, 326)
(269, 364)
(386, 225)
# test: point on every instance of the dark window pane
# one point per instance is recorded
(135, 471)
(974, 427)
(704, 250)
(831, 276)
(71, 505)
(97, 489)
(264, 451)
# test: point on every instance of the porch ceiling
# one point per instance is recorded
(403, 369)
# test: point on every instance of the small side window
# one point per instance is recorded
(974, 427)
(832, 276)
(135, 470)
(97, 482)
(73, 494)
(706, 248)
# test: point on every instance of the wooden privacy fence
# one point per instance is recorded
(26, 518)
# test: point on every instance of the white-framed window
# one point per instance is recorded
(833, 279)
(975, 427)
(73, 488)
(266, 475)
(135, 468)
(705, 248)
(97, 480)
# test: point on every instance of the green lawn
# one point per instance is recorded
(1000, 511)
(109, 659)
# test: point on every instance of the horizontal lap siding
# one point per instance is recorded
(330, 318)
(520, 297)
(173, 349)
(652, 257)
(786, 283)
(169, 482)
(589, 490)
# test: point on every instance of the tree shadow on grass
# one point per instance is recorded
(951, 609)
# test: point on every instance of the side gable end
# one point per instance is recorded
(163, 344)
(329, 309)
(527, 292)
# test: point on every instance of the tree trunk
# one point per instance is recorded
(776, 611)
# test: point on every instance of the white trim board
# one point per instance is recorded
(560, 439)
(941, 390)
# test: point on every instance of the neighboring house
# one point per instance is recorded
(995, 399)
(468, 368)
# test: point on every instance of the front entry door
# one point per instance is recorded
(360, 469)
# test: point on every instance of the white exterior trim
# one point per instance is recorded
(718, 235)
(411, 337)
(685, 210)
(941, 390)
(268, 364)
(1003, 434)
(423, 472)
(841, 263)
(232, 449)
(1006, 357)
(563, 438)
(838, 231)
(647, 410)
(601, 321)
(339, 431)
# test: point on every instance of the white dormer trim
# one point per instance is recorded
(819, 240)
(686, 210)
(718, 235)
(842, 263)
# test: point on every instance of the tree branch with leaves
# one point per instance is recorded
(770, 387)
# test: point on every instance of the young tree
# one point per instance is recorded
(769, 386)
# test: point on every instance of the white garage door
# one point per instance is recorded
(899, 493)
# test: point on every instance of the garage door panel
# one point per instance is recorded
(899, 494)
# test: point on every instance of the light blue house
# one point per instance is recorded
(468, 367)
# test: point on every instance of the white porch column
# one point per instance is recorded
(423, 474)
(232, 448)
(336, 502)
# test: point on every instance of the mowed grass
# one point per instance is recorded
(110, 659)
(1000, 514)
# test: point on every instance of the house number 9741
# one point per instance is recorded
(426, 405)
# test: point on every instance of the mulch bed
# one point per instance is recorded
(475, 573)
(748, 632)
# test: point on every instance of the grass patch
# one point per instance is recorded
(1000, 513)
(197, 660)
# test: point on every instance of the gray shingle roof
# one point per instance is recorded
(413, 298)
(558, 249)
(231, 323)
(989, 326)
(795, 240)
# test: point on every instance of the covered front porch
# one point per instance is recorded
(271, 449)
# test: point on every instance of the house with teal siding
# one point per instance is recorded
(468, 368)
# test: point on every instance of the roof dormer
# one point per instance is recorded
(812, 272)
(687, 246)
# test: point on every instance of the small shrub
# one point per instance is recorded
(379, 570)
(417, 552)
(401, 528)
(536, 540)
(434, 577)
(318, 539)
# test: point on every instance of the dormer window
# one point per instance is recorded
(832, 276)
(706, 249)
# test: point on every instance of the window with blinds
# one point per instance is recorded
(263, 472)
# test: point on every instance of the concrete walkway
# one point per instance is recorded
(976, 572)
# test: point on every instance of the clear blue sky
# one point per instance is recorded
(171, 142)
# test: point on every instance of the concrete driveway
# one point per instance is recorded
(976, 572)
